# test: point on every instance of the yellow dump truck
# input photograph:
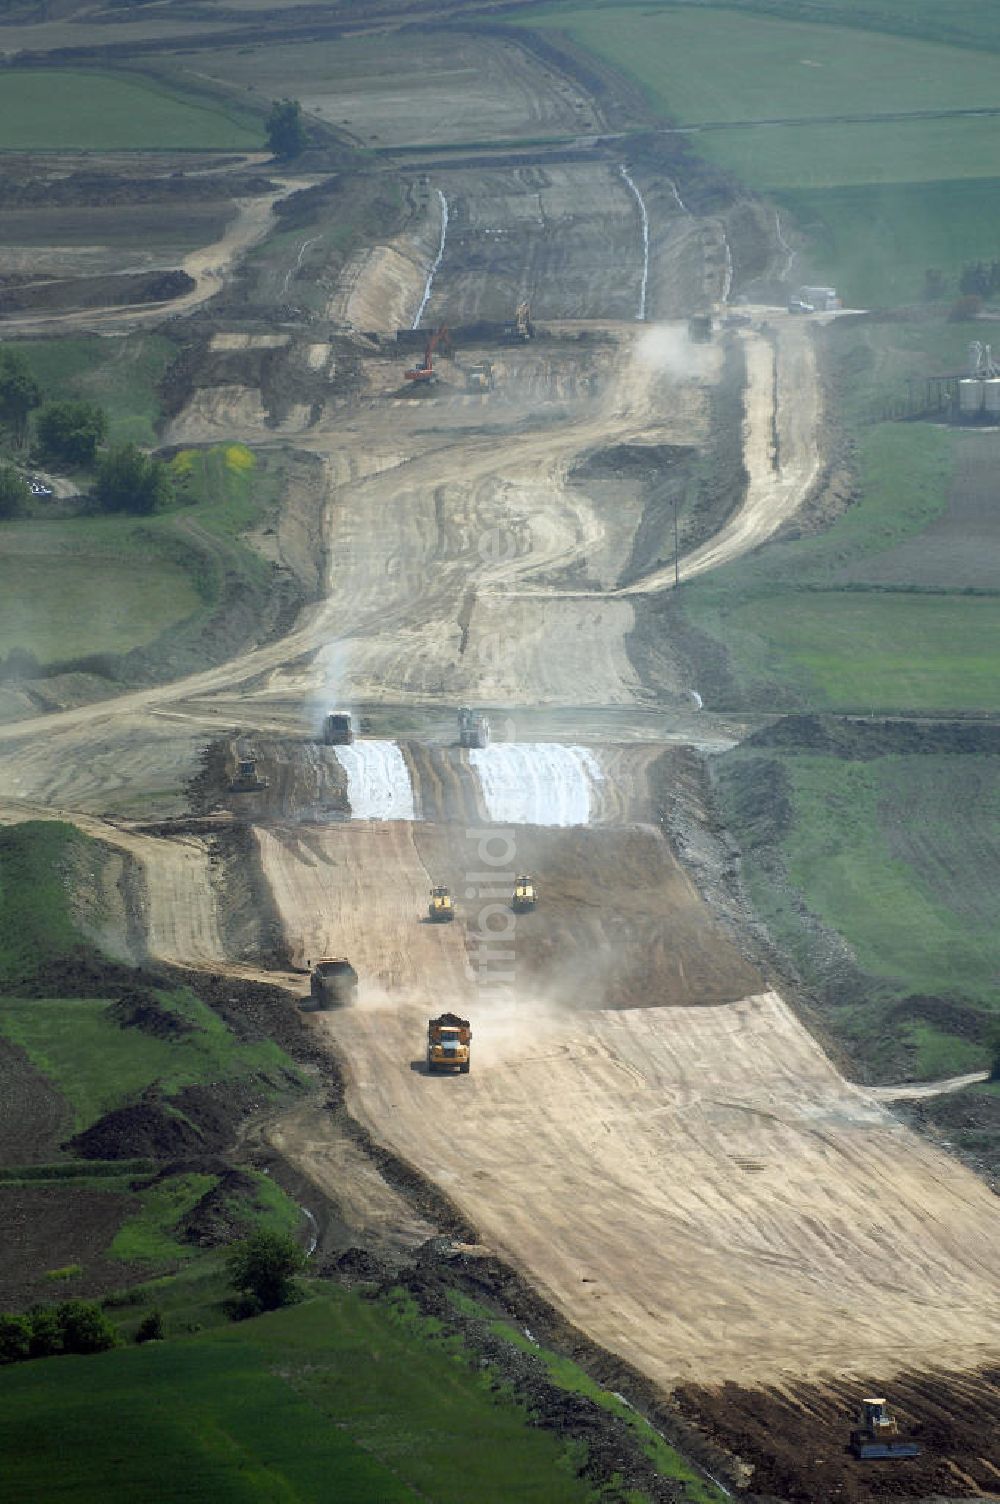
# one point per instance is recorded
(441, 908)
(449, 1044)
(525, 896)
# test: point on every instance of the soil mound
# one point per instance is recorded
(145, 1130)
(221, 1215)
(832, 736)
(356, 1266)
(138, 1010)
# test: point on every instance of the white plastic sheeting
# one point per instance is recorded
(378, 781)
(537, 783)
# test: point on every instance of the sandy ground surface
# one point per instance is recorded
(671, 1175)
(406, 88)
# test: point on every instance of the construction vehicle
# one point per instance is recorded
(247, 780)
(334, 982)
(796, 305)
(525, 896)
(441, 908)
(449, 1041)
(425, 372)
(338, 730)
(473, 728)
(480, 378)
(876, 1434)
(520, 329)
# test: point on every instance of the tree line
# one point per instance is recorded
(73, 434)
(261, 1274)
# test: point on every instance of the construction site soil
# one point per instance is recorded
(660, 1172)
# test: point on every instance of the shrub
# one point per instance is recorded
(15, 1338)
(85, 1328)
(129, 481)
(262, 1269)
(71, 431)
(150, 1328)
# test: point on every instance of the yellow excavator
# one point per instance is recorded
(441, 908)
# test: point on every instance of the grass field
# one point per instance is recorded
(797, 634)
(121, 375)
(64, 605)
(339, 1393)
(570, 1377)
(962, 22)
(878, 201)
(877, 651)
(109, 584)
(46, 109)
(699, 64)
(897, 856)
(97, 1065)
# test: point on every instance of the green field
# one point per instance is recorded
(80, 586)
(798, 632)
(896, 855)
(120, 375)
(878, 202)
(339, 1397)
(967, 23)
(700, 64)
(570, 1377)
(60, 606)
(876, 651)
(43, 109)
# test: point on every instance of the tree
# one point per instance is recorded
(150, 1328)
(85, 1328)
(994, 1047)
(71, 431)
(130, 481)
(15, 1338)
(19, 393)
(262, 1268)
(14, 492)
(286, 135)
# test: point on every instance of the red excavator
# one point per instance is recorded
(425, 372)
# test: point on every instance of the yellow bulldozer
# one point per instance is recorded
(246, 779)
(877, 1436)
(441, 908)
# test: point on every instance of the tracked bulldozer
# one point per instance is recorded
(441, 908)
(246, 779)
(876, 1435)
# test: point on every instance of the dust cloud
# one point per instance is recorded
(668, 350)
